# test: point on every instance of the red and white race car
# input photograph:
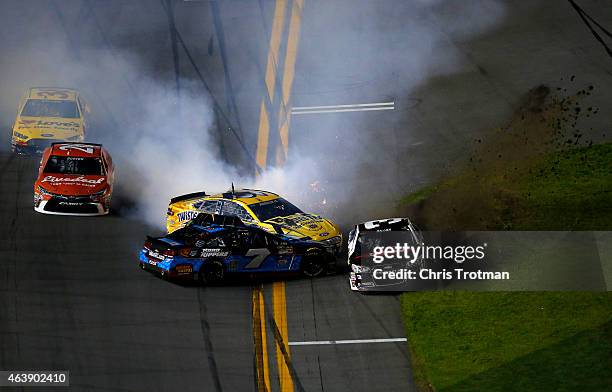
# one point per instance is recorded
(74, 179)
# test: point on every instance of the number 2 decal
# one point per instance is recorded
(81, 147)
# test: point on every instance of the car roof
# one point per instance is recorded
(246, 196)
(85, 150)
(53, 93)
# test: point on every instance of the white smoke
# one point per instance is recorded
(165, 145)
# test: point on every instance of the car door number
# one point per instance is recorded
(260, 255)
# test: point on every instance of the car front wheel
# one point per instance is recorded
(313, 264)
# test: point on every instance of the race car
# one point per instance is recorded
(74, 179)
(211, 248)
(362, 239)
(259, 208)
(47, 115)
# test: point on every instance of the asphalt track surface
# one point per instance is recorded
(71, 295)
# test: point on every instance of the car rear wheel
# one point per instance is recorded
(312, 264)
(212, 272)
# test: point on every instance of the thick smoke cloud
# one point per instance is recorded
(166, 144)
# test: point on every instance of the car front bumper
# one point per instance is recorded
(56, 206)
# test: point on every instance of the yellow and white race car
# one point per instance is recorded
(255, 207)
(47, 115)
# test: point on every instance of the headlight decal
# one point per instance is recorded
(20, 135)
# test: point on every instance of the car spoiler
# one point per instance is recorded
(158, 244)
(79, 143)
(187, 196)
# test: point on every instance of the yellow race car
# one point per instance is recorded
(255, 207)
(47, 115)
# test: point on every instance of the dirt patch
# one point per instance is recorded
(482, 195)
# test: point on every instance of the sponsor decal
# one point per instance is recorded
(187, 215)
(189, 252)
(69, 203)
(47, 124)
(184, 269)
(213, 252)
(156, 255)
(80, 179)
(285, 249)
(324, 234)
(47, 135)
(311, 222)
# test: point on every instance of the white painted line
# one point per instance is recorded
(356, 105)
(366, 109)
(356, 341)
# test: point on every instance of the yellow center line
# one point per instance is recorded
(275, 40)
(280, 317)
(284, 117)
(260, 337)
(263, 134)
(279, 301)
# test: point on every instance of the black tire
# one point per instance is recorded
(212, 272)
(313, 264)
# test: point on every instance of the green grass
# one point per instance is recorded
(465, 341)
(418, 196)
(568, 190)
(564, 190)
(506, 341)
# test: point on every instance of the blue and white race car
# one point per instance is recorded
(212, 247)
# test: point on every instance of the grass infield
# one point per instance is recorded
(516, 341)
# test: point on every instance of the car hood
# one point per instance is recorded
(307, 225)
(49, 127)
(72, 184)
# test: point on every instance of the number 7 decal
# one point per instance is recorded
(260, 255)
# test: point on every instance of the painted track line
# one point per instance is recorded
(356, 105)
(263, 133)
(341, 110)
(353, 341)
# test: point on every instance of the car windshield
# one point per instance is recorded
(74, 165)
(273, 208)
(50, 108)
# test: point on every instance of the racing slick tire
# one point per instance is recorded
(212, 272)
(313, 263)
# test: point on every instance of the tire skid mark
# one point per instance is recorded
(400, 345)
(262, 378)
(212, 363)
(283, 347)
(6, 165)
